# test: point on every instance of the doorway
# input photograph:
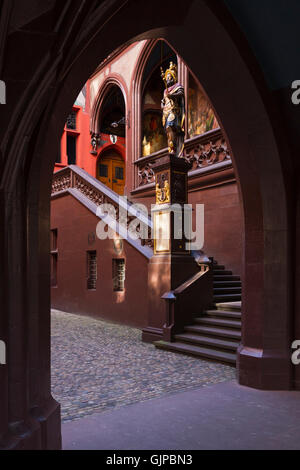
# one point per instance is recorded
(111, 171)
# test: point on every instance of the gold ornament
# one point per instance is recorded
(163, 194)
(172, 70)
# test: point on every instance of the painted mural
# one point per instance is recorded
(154, 138)
(201, 117)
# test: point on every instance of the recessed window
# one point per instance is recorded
(54, 270)
(71, 149)
(118, 269)
(71, 121)
(58, 156)
(91, 270)
(53, 239)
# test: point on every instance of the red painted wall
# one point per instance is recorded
(85, 159)
(83, 146)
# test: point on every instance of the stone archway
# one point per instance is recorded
(225, 69)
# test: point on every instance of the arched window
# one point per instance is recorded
(201, 117)
(112, 113)
(153, 135)
(110, 168)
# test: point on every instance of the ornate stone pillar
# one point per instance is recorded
(172, 262)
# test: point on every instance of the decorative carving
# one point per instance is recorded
(210, 153)
(146, 175)
(89, 191)
(203, 150)
(68, 178)
(71, 121)
(61, 182)
(95, 142)
(163, 194)
(163, 188)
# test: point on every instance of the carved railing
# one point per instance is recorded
(61, 181)
(205, 150)
(74, 178)
(191, 297)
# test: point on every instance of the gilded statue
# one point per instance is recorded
(173, 106)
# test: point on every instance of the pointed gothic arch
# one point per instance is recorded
(29, 144)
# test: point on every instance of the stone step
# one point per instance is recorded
(223, 313)
(227, 290)
(227, 298)
(212, 331)
(226, 277)
(222, 273)
(230, 306)
(208, 341)
(185, 348)
(227, 283)
(224, 323)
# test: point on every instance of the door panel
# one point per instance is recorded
(104, 173)
(111, 172)
(118, 176)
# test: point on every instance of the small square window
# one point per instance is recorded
(118, 274)
(91, 270)
(71, 121)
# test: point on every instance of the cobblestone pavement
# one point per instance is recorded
(97, 366)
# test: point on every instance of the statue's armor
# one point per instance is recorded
(173, 109)
(173, 106)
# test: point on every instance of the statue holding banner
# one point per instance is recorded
(173, 105)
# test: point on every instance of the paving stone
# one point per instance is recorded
(98, 365)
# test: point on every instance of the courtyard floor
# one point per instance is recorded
(224, 416)
(99, 366)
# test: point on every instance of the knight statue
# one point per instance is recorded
(173, 105)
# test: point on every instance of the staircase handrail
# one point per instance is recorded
(193, 295)
(76, 180)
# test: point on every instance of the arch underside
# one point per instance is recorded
(29, 149)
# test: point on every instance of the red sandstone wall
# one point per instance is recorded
(223, 222)
(74, 223)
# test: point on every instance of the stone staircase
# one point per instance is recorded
(216, 334)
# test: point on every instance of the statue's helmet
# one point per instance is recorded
(172, 70)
